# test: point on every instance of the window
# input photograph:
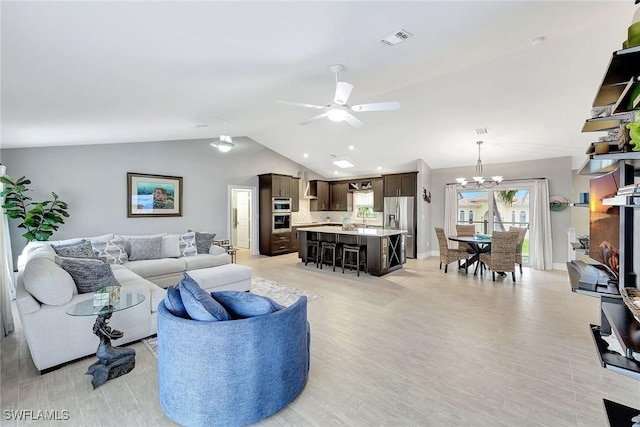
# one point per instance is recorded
(523, 217)
(461, 219)
(513, 217)
(363, 204)
(470, 217)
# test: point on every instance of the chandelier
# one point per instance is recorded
(478, 180)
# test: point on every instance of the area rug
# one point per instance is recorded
(281, 294)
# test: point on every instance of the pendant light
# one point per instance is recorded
(478, 180)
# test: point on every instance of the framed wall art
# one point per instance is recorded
(153, 195)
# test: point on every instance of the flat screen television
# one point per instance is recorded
(604, 221)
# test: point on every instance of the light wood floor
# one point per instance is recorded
(414, 348)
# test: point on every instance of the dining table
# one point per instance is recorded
(479, 243)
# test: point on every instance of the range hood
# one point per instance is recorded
(306, 186)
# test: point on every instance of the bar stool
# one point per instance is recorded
(313, 252)
(354, 251)
(334, 248)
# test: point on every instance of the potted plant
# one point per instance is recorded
(40, 219)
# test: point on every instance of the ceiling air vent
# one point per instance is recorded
(396, 37)
(481, 131)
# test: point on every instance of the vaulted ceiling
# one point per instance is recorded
(115, 72)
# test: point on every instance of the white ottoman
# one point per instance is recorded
(228, 277)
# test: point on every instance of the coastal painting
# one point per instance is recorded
(153, 195)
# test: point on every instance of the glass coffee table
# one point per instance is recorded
(112, 361)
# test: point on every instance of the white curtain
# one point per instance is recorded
(6, 271)
(541, 248)
(450, 210)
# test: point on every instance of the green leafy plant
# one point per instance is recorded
(40, 219)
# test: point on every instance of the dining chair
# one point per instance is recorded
(448, 255)
(465, 230)
(502, 256)
(522, 231)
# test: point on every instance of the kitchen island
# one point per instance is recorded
(384, 246)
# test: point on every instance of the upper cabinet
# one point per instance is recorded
(377, 185)
(402, 184)
(320, 190)
(338, 195)
(295, 194)
(281, 185)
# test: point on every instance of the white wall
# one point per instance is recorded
(92, 179)
(424, 211)
(557, 170)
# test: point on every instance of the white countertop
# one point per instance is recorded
(380, 232)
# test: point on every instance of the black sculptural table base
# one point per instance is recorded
(112, 361)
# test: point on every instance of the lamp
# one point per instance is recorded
(478, 180)
(224, 144)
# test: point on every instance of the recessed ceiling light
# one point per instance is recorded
(335, 172)
(351, 147)
(305, 155)
(537, 40)
(343, 163)
(379, 168)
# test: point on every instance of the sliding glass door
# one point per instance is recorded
(496, 209)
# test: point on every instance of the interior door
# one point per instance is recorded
(243, 219)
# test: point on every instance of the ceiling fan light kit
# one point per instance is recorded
(339, 110)
(224, 144)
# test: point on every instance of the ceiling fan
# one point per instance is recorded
(339, 110)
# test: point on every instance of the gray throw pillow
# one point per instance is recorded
(204, 242)
(81, 249)
(145, 248)
(89, 274)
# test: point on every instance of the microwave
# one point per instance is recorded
(281, 204)
(281, 222)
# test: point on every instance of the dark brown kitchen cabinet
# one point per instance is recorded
(275, 185)
(280, 243)
(378, 194)
(402, 184)
(281, 185)
(319, 189)
(295, 194)
(338, 195)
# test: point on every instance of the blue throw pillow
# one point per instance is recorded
(198, 303)
(173, 303)
(245, 304)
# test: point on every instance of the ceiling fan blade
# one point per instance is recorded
(377, 106)
(343, 91)
(300, 104)
(313, 119)
(353, 121)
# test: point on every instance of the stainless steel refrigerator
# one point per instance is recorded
(399, 214)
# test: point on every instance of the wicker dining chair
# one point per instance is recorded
(502, 257)
(522, 232)
(448, 255)
(465, 230)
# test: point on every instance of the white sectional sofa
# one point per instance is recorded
(45, 291)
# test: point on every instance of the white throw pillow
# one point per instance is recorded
(110, 251)
(170, 246)
(188, 244)
(47, 282)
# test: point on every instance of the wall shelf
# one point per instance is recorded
(622, 66)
